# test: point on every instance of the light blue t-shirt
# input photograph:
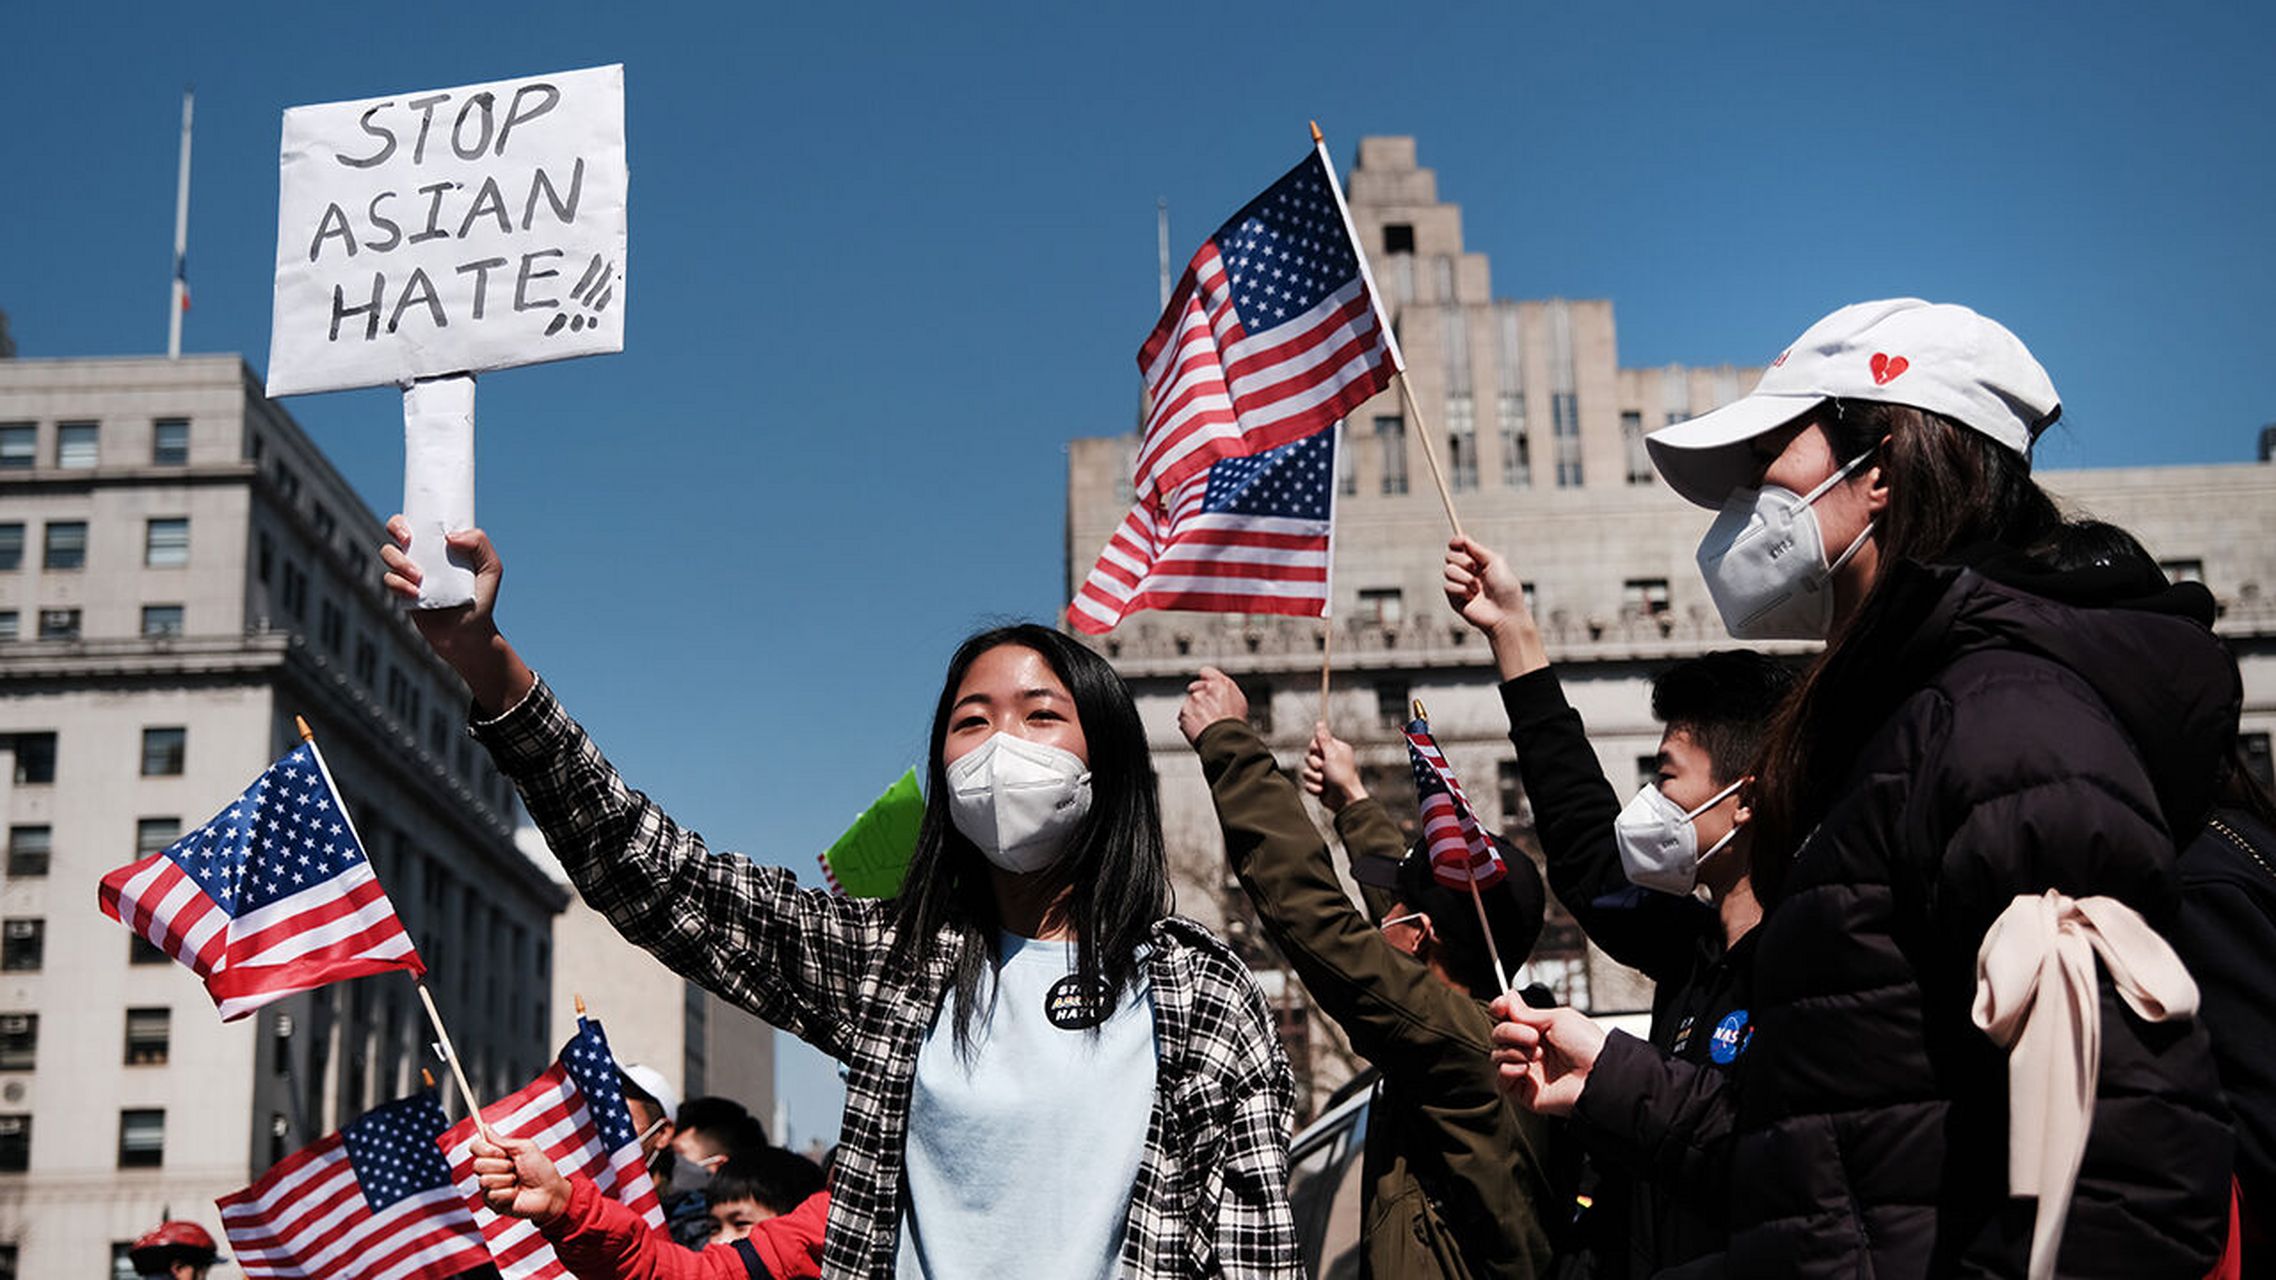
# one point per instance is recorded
(1021, 1156)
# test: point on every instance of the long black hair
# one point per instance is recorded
(1116, 868)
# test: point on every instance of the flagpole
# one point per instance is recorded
(177, 295)
(1477, 900)
(419, 984)
(1327, 604)
(1430, 450)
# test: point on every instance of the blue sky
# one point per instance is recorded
(886, 261)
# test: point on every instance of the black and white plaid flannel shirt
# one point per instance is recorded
(1211, 1194)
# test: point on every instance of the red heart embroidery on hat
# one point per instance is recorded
(1887, 367)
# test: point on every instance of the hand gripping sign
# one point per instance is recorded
(426, 237)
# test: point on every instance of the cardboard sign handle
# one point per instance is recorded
(438, 484)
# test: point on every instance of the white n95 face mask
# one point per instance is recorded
(1765, 563)
(1020, 801)
(1659, 846)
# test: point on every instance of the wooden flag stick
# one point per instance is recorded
(450, 1055)
(1430, 451)
(1327, 655)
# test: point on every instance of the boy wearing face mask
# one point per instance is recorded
(1662, 885)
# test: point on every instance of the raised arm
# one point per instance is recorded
(1382, 998)
(794, 957)
(1573, 805)
(1371, 841)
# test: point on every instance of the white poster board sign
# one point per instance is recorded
(450, 231)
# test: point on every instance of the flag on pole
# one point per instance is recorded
(1249, 535)
(1460, 853)
(371, 1202)
(575, 1112)
(1274, 333)
(274, 896)
(182, 278)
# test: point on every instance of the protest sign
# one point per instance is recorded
(450, 231)
(872, 858)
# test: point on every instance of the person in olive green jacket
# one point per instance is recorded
(1458, 1183)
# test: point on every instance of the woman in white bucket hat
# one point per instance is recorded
(1974, 797)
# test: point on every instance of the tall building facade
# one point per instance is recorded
(182, 573)
(1539, 431)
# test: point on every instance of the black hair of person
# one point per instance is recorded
(1950, 489)
(1723, 702)
(1515, 907)
(726, 1123)
(1115, 870)
(777, 1180)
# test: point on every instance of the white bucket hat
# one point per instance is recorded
(1934, 356)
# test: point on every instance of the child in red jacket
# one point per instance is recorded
(598, 1238)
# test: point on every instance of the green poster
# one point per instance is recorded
(871, 858)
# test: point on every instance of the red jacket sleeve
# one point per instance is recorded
(601, 1239)
(791, 1245)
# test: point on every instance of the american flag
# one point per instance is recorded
(575, 1112)
(1272, 334)
(1250, 535)
(272, 897)
(1460, 853)
(371, 1202)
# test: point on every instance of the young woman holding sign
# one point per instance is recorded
(1049, 1073)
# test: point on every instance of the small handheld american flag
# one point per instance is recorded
(575, 1112)
(274, 896)
(1460, 853)
(1249, 535)
(1273, 333)
(371, 1202)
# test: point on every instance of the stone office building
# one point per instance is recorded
(181, 574)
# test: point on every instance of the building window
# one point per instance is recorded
(1391, 703)
(142, 1138)
(15, 1143)
(398, 693)
(141, 950)
(76, 445)
(1462, 443)
(331, 629)
(1382, 606)
(1391, 433)
(23, 944)
(59, 624)
(265, 560)
(166, 542)
(438, 732)
(1398, 237)
(7, 1262)
(28, 849)
(163, 750)
(19, 445)
(1639, 458)
(367, 660)
(1647, 770)
(147, 1034)
(1516, 817)
(152, 835)
(1565, 426)
(295, 595)
(11, 626)
(161, 619)
(2257, 762)
(1347, 480)
(12, 546)
(19, 1041)
(35, 758)
(1259, 694)
(1645, 597)
(66, 545)
(2183, 570)
(170, 442)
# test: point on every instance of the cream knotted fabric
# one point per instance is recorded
(2036, 997)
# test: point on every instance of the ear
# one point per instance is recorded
(1744, 813)
(1877, 482)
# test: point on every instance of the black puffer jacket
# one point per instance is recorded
(2003, 743)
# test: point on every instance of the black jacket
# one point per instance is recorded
(1701, 993)
(2228, 936)
(2004, 743)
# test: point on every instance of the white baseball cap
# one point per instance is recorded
(1934, 356)
(653, 1083)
